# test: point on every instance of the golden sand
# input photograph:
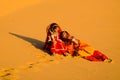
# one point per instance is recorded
(23, 31)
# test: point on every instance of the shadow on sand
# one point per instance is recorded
(36, 43)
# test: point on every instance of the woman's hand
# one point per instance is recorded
(54, 41)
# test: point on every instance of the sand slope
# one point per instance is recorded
(22, 30)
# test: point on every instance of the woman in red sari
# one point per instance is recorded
(53, 43)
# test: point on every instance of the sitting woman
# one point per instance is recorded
(53, 44)
(71, 43)
(77, 48)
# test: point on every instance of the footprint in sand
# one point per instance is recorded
(29, 65)
(8, 74)
(32, 65)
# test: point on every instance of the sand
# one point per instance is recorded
(23, 31)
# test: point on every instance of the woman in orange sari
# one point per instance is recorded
(71, 43)
(77, 48)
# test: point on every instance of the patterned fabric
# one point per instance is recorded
(91, 53)
(48, 40)
(97, 56)
(59, 48)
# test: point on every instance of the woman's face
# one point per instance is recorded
(56, 29)
(65, 35)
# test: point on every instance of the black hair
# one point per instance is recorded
(64, 39)
(53, 26)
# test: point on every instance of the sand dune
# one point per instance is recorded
(23, 31)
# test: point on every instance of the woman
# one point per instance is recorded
(53, 43)
(75, 48)
(71, 43)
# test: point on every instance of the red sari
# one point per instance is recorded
(97, 56)
(48, 40)
(58, 47)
